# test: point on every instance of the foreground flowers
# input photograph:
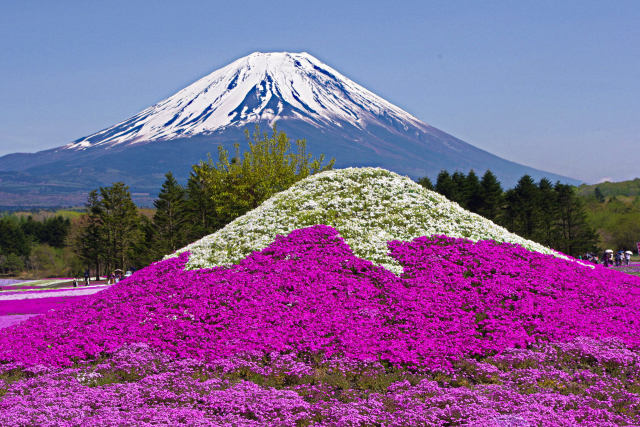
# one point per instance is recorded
(304, 332)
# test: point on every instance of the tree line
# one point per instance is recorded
(551, 214)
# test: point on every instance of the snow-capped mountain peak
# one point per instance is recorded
(261, 87)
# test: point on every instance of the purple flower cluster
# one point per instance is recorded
(303, 332)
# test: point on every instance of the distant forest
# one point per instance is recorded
(111, 232)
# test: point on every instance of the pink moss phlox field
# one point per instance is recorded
(513, 297)
(303, 332)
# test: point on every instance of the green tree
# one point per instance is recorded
(54, 231)
(459, 183)
(142, 251)
(240, 183)
(598, 194)
(11, 263)
(12, 238)
(44, 260)
(446, 186)
(199, 207)
(90, 240)
(169, 218)
(492, 196)
(546, 230)
(575, 235)
(120, 222)
(522, 213)
(472, 190)
(426, 183)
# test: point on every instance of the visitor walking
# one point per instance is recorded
(86, 277)
(627, 257)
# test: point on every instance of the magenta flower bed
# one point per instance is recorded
(304, 332)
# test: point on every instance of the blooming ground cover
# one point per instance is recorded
(368, 206)
(306, 332)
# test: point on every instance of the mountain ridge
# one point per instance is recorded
(260, 87)
(305, 97)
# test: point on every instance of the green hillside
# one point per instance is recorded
(607, 189)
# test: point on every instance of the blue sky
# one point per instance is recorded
(550, 84)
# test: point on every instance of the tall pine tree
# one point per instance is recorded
(575, 236)
(445, 185)
(426, 183)
(472, 191)
(548, 212)
(90, 243)
(199, 207)
(492, 196)
(169, 218)
(121, 224)
(459, 182)
(523, 213)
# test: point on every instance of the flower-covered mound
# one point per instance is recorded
(368, 206)
(306, 333)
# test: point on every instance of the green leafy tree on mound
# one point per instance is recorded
(241, 183)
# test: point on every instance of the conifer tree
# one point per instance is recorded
(426, 183)
(523, 213)
(445, 185)
(459, 183)
(548, 212)
(199, 207)
(90, 242)
(12, 238)
(492, 196)
(472, 191)
(119, 217)
(575, 235)
(169, 218)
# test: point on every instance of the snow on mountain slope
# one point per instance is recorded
(261, 87)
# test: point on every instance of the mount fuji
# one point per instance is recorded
(305, 97)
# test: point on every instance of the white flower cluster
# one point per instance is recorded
(368, 206)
